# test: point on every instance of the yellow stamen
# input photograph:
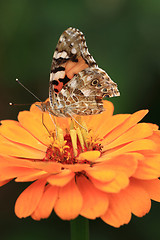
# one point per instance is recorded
(73, 135)
(79, 133)
(83, 129)
(60, 136)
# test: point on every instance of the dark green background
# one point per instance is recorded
(124, 38)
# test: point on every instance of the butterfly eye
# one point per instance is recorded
(94, 82)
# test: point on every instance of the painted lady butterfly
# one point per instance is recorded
(77, 85)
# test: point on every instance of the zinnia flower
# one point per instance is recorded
(109, 171)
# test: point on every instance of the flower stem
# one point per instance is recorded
(79, 228)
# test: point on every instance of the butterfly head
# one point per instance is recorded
(43, 106)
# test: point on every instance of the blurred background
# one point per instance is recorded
(124, 38)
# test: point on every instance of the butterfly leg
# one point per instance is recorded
(44, 123)
(54, 122)
(78, 122)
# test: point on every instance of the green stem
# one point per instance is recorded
(79, 228)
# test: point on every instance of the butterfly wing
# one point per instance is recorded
(77, 84)
(70, 57)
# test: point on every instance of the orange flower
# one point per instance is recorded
(109, 171)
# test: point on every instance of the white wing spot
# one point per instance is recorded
(59, 74)
(61, 54)
(51, 76)
(73, 51)
(55, 54)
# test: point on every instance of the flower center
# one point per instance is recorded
(68, 145)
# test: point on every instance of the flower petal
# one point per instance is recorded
(152, 187)
(13, 131)
(138, 199)
(149, 168)
(50, 167)
(33, 124)
(120, 181)
(101, 173)
(46, 203)
(4, 182)
(48, 120)
(130, 122)
(61, 179)
(13, 172)
(156, 138)
(29, 199)
(107, 126)
(76, 167)
(31, 177)
(125, 163)
(118, 212)
(19, 150)
(116, 171)
(69, 201)
(139, 131)
(95, 202)
(89, 155)
(93, 122)
(143, 144)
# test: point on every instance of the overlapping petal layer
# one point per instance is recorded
(110, 172)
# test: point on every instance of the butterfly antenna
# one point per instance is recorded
(19, 104)
(28, 90)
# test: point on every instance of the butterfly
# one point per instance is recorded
(77, 85)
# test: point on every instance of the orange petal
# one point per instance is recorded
(4, 182)
(49, 120)
(137, 198)
(152, 187)
(13, 131)
(149, 168)
(156, 138)
(31, 177)
(29, 199)
(61, 179)
(89, 155)
(69, 201)
(101, 174)
(50, 167)
(105, 127)
(95, 202)
(13, 172)
(154, 126)
(76, 167)
(139, 131)
(93, 121)
(33, 124)
(138, 145)
(19, 150)
(109, 108)
(107, 158)
(118, 212)
(130, 122)
(120, 181)
(46, 203)
(126, 163)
